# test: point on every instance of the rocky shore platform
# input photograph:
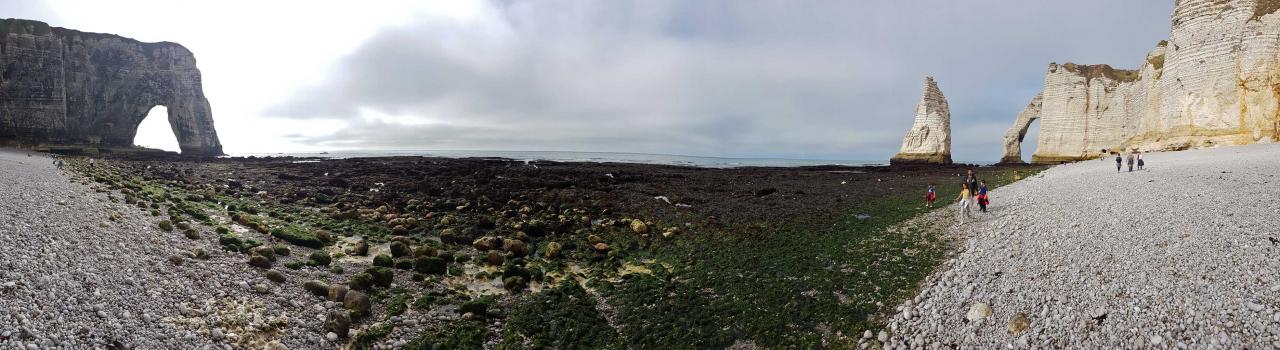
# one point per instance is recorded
(422, 253)
(1182, 254)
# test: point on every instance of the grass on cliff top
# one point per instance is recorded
(791, 284)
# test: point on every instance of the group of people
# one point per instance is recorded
(972, 192)
(1133, 156)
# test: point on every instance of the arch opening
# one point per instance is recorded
(1031, 139)
(156, 132)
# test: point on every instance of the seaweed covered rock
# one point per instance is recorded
(361, 281)
(337, 292)
(487, 243)
(383, 260)
(517, 248)
(320, 258)
(494, 258)
(399, 249)
(337, 321)
(360, 248)
(358, 303)
(259, 261)
(298, 235)
(265, 252)
(429, 265)
(274, 276)
(382, 277)
(424, 251)
(316, 287)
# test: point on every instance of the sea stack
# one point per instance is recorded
(929, 140)
(62, 88)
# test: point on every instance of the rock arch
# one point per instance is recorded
(65, 87)
(1018, 132)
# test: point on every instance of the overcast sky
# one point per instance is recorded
(795, 79)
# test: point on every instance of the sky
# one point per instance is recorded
(790, 79)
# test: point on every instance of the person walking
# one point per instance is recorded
(1140, 162)
(971, 180)
(1117, 162)
(929, 197)
(965, 198)
(982, 196)
(1129, 160)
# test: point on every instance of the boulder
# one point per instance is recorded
(487, 243)
(337, 292)
(316, 287)
(553, 250)
(359, 249)
(383, 260)
(275, 276)
(978, 311)
(1018, 323)
(337, 321)
(259, 261)
(358, 303)
(601, 247)
(494, 258)
(639, 227)
(517, 248)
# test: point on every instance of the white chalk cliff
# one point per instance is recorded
(1216, 81)
(929, 140)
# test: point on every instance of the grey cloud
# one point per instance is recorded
(725, 78)
(36, 10)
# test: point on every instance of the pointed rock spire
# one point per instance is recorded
(929, 140)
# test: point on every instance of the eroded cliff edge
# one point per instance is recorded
(1216, 81)
(65, 87)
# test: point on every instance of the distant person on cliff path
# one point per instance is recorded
(1130, 161)
(982, 196)
(1117, 161)
(965, 197)
(1140, 162)
(929, 197)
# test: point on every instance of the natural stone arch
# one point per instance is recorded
(66, 87)
(1018, 132)
(156, 131)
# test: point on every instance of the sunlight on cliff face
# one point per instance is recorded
(154, 132)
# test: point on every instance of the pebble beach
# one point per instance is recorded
(1179, 255)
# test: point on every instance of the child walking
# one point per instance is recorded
(982, 196)
(965, 198)
(929, 197)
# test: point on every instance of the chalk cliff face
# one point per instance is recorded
(929, 140)
(1216, 81)
(64, 87)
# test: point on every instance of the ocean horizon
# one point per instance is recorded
(593, 157)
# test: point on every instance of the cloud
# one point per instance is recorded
(725, 78)
(35, 10)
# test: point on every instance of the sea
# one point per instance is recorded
(598, 157)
